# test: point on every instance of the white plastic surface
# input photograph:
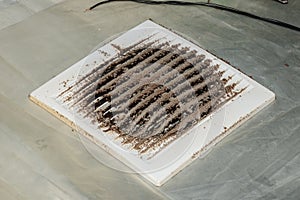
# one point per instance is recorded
(170, 160)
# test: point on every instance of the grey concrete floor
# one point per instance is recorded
(42, 158)
(14, 11)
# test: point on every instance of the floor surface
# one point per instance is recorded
(42, 158)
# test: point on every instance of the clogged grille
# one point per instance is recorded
(150, 93)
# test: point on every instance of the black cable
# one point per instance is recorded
(212, 5)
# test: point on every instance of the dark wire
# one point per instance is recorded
(207, 4)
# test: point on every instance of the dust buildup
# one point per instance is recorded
(150, 93)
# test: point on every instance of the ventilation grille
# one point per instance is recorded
(151, 92)
(152, 99)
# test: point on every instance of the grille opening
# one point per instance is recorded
(151, 93)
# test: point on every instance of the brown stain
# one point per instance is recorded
(104, 53)
(143, 145)
(119, 48)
